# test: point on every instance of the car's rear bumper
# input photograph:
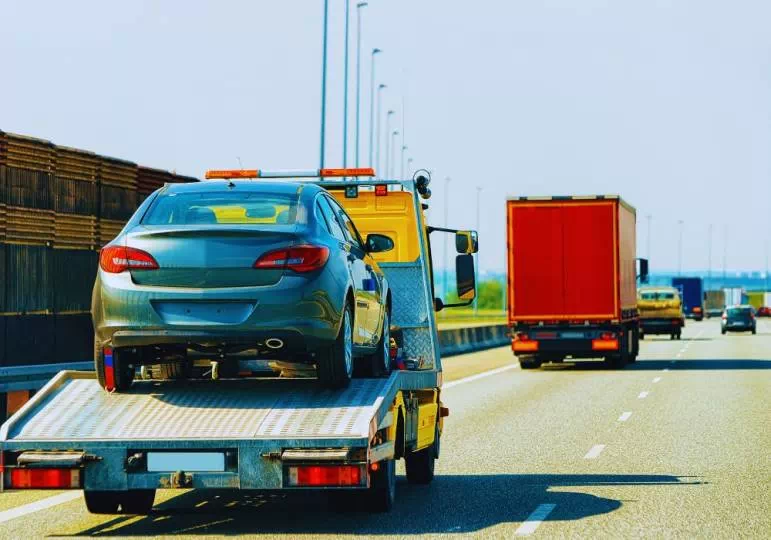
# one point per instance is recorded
(736, 327)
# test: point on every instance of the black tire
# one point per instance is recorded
(678, 336)
(754, 331)
(420, 465)
(379, 364)
(102, 502)
(137, 501)
(123, 370)
(642, 335)
(529, 362)
(635, 345)
(335, 365)
(381, 494)
(722, 331)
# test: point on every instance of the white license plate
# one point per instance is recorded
(185, 461)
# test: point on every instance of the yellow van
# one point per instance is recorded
(661, 311)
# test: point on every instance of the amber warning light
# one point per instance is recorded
(315, 173)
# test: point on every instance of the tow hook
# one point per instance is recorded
(181, 479)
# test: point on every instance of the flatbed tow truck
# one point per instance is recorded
(257, 433)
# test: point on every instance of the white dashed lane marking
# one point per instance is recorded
(36, 506)
(657, 379)
(595, 451)
(624, 417)
(643, 395)
(535, 519)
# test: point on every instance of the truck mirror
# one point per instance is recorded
(466, 242)
(465, 278)
(643, 275)
(378, 243)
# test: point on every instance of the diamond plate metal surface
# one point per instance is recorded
(408, 294)
(81, 410)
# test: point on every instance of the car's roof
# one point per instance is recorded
(249, 186)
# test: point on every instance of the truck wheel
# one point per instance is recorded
(102, 502)
(382, 489)
(137, 501)
(122, 371)
(379, 364)
(335, 365)
(420, 465)
(529, 362)
(754, 330)
(642, 335)
(722, 331)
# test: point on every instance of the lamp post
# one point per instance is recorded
(680, 248)
(709, 258)
(345, 85)
(358, 76)
(404, 148)
(388, 141)
(446, 225)
(409, 165)
(324, 82)
(372, 108)
(392, 171)
(377, 127)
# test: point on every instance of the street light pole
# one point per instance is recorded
(393, 157)
(476, 255)
(409, 165)
(709, 258)
(377, 127)
(404, 147)
(345, 85)
(388, 143)
(446, 226)
(324, 82)
(680, 249)
(372, 109)
(358, 76)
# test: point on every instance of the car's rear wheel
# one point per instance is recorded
(115, 371)
(379, 364)
(334, 366)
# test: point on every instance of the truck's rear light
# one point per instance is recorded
(301, 259)
(327, 475)
(117, 259)
(381, 190)
(605, 344)
(44, 479)
(523, 343)
(675, 321)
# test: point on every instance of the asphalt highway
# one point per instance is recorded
(675, 445)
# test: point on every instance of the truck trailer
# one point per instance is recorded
(257, 433)
(572, 276)
(692, 296)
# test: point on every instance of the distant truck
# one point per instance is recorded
(572, 279)
(734, 296)
(661, 311)
(714, 302)
(692, 296)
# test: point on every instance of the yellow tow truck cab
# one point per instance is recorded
(661, 311)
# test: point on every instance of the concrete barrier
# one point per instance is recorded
(476, 338)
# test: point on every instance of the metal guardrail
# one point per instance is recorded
(451, 342)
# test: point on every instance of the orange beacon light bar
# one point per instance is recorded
(315, 173)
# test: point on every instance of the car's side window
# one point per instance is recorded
(350, 229)
(329, 214)
(320, 216)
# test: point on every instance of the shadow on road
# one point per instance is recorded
(452, 504)
(658, 365)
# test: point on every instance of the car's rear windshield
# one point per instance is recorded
(657, 295)
(738, 311)
(219, 208)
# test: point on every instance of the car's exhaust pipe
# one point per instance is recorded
(274, 343)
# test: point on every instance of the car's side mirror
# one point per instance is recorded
(465, 277)
(378, 243)
(466, 242)
(643, 271)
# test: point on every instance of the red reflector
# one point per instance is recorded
(45, 478)
(524, 346)
(381, 190)
(116, 259)
(297, 258)
(604, 344)
(326, 475)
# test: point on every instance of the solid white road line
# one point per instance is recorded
(36, 506)
(624, 417)
(643, 395)
(595, 451)
(535, 519)
(480, 376)
(657, 379)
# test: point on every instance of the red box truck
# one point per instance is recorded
(572, 279)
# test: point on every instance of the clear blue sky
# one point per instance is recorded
(667, 103)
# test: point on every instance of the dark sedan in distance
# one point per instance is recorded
(738, 319)
(223, 268)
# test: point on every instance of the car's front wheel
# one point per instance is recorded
(114, 368)
(334, 366)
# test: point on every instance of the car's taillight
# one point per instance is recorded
(303, 258)
(724, 317)
(116, 259)
(44, 479)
